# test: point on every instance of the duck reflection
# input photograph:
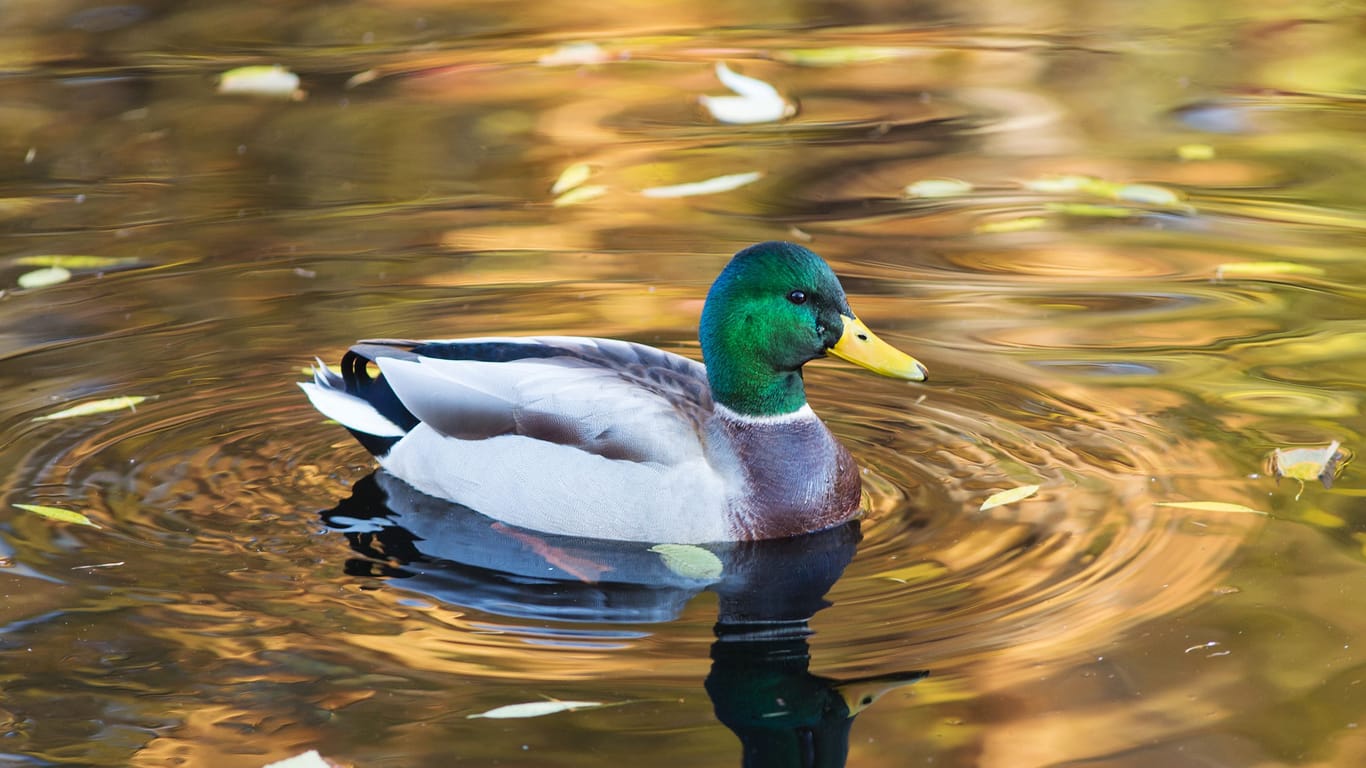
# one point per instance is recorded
(760, 683)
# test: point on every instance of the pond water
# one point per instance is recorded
(1141, 276)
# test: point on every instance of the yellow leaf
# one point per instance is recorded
(839, 55)
(57, 513)
(938, 188)
(1009, 497)
(1023, 224)
(535, 709)
(1149, 194)
(1092, 210)
(689, 561)
(1062, 184)
(1195, 152)
(1261, 268)
(1210, 506)
(42, 278)
(571, 177)
(95, 406)
(580, 195)
(1304, 464)
(70, 261)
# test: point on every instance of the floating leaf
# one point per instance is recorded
(1061, 184)
(1195, 152)
(1091, 210)
(70, 261)
(1147, 194)
(42, 278)
(1022, 224)
(1305, 464)
(580, 195)
(839, 55)
(1265, 269)
(1008, 497)
(265, 80)
(1210, 506)
(362, 78)
(689, 561)
(571, 177)
(309, 759)
(94, 407)
(535, 709)
(756, 102)
(575, 54)
(938, 188)
(915, 573)
(708, 187)
(57, 513)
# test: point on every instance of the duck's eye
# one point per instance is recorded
(797, 297)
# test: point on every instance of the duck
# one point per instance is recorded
(608, 439)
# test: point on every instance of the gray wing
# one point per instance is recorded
(613, 398)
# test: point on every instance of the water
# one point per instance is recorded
(242, 602)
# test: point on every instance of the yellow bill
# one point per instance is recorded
(861, 347)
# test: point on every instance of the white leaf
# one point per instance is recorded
(273, 80)
(42, 278)
(535, 709)
(309, 759)
(709, 187)
(757, 102)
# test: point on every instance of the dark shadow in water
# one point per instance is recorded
(760, 683)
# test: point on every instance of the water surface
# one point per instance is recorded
(251, 592)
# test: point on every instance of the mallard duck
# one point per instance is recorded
(615, 440)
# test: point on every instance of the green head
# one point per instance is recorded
(775, 307)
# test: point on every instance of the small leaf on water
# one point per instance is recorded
(839, 55)
(756, 102)
(1004, 226)
(1008, 497)
(42, 278)
(571, 177)
(575, 54)
(938, 188)
(913, 574)
(309, 759)
(1305, 464)
(266, 80)
(1195, 152)
(1148, 194)
(57, 513)
(1061, 184)
(1265, 268)
(95, 406)
(579, 195)
(1210, 506)
(72, 261)
(1091, 210)
(535, 709)
(708, 187)
(689, 561)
